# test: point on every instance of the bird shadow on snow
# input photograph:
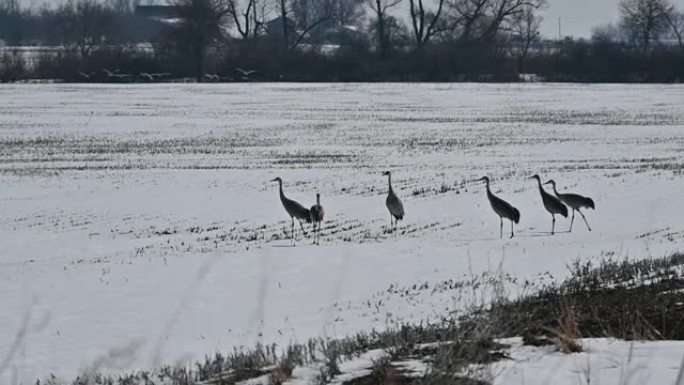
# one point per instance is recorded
(533, 234)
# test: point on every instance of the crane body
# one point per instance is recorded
(575, 201)
(294, 209)
(552, 204)
(502, 208)
(317, 214)
(393, 203)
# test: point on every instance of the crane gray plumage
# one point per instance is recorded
(393, 203)
(294, 209)
(317, 214)
(575, 201)
(502, 208)
(552, 204)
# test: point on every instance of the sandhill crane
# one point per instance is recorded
(294, 209)
(502, 208)
(575, 202)
(245, 75)
(116, 75)
(317, 218)
(552, 204)
(394, 205)
(145, 76)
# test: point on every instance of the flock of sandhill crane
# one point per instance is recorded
(116, 76)
(554, 204)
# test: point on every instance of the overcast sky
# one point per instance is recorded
(578, 17)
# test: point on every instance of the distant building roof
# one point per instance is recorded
(275, 26)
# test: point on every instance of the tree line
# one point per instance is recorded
(334, 40)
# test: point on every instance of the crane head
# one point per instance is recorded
(387, 173)
(484, 179)
(551, 182)
(535, 176)
(277, 180)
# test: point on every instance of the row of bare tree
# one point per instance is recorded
(381, 20)
(646, 21)
(282, 31)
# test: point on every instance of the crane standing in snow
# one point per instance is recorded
(502, 208)
(394, 205)
(294, 209)
(575, 202)
(317, 217)
(552, 204)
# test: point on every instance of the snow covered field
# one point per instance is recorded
(138, 225)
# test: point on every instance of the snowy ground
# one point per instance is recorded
(603, 361)
(138, 225)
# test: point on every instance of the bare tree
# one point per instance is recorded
(250, 21)
(307, 12)
(84, 23)
(525, 32)
(501, 13)
(607, 33)
(645, 20)
(676, 21)
(11, 21)
(347, 12)
(121, 6)
(9, 7)
(202, 21)
(484, 19)
(424, 23)
(306, 15)
(380, 8)
(466, 15)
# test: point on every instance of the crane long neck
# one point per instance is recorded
(389, 181)
(280, 183)
(489, 192)
(541, 188)
(318, 200)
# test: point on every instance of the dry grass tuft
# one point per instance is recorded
(567, 334)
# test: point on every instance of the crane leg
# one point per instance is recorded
(301, 225)
(500, 227)
(391, 228)
(585, 220)
(318, 232)
(292, 231)
(572, 220)
(553, 224)
(511, 229)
